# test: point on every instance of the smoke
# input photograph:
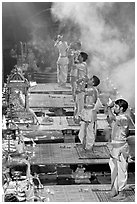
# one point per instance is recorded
(122, 76)
(41, 32)
(108, 36)
(42, 43)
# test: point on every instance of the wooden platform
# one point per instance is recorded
(61, 123)
(61, 153)
(50, 88)
(50, 101)
(65, 153)
(81, 193)
(53, 132)
(50, 95)
(42, 101)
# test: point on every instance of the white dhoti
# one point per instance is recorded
(62, 70)
(79, 104)
(73, 79)
(87, 133)
(118, 165)
(73, 86)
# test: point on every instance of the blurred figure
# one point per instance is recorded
(75, 49)
(81, 70)
(13, 55)
(62, 62)
(32, 66)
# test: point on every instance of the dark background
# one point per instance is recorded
(17, 21)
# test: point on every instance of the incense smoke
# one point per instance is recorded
(107, 34)
(42, 41)
(43, 44)
(126, 73)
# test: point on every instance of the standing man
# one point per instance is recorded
(75, 51)
(88, 115)
(62, 63)
(119, 149)
(81, 69)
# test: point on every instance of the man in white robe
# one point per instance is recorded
(82, 77)
(87, 133)
(119, 149)
(62, 62)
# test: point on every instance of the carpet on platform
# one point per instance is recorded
(98, 152)
(104, 195)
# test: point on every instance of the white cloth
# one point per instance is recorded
(88, 116)
(62, 62)
(79, 104)
(119, 152)
(62, 73)
(62, 47)
(75, 60)
(118, 166)
(87, 131)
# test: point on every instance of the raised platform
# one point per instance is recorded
(82, 193)
(67, 123)
(51, 95)
(62, 153)
(68, 153)
(63, 123)
(62, 129)
(50, 88)
(45, 101)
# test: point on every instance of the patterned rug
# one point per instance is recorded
(71, 121)
(103, 196)
(98, 152)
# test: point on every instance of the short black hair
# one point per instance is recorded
(84, 56)
(122, 103)
(96, 80)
